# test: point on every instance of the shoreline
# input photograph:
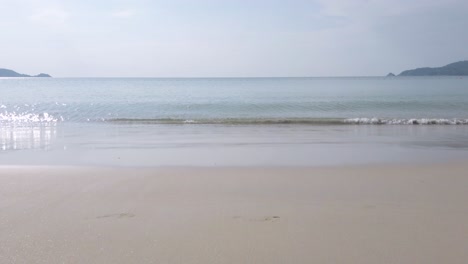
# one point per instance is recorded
(172, 145)
(456, 162)
(344, 214)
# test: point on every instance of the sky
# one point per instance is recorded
(230, 38)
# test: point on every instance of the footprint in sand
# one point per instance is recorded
(118, 216)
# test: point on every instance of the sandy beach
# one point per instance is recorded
(361, 214)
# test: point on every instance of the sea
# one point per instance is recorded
(141, 122)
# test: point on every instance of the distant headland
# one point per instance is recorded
(11, 73)
(453, 69)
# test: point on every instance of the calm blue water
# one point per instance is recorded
(233, 122)
(303, 100)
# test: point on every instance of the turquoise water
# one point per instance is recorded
(233, 122)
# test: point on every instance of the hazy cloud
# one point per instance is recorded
(50, 16)
(231, 38)
(124, 13)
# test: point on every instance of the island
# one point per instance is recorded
(11, 73)
(453, 69)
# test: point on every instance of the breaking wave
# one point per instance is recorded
(22, 118)
(38, 118)
(412, 121)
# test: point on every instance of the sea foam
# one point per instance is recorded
(411, 121)
(13, 117)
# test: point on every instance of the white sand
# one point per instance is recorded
(234, 215)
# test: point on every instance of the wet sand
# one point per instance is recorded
(361, 214)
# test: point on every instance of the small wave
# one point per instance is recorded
(299, 121)
(26, 118)
(232, 121)
(412, 121)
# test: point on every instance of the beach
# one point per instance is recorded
(234, 170)
(232, 132)
(338, 214)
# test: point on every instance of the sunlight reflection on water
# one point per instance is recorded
(27, 136)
